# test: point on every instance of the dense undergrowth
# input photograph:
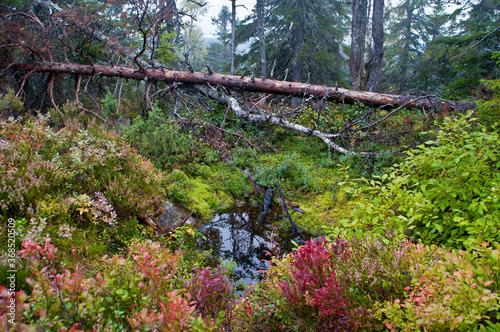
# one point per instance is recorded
(411, 243)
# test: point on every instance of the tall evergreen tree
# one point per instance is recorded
(358, 41)
(412, 24)
(467, 54)
(301, 40)
(219, 54)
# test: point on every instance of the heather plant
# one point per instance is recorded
(80, 180)
(327, 286)
(375, 271)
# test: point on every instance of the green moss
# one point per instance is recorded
(211, 190)
(223, 177)
(202, 199)
(323, 210)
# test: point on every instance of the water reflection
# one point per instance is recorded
(240, 236)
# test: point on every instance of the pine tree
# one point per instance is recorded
(301, 40)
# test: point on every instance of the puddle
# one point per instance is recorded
(238, 235)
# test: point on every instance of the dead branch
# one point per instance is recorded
(273, 119)
(79, 104)
(50, 90)
(24, 81)
(148, 91)
(216, 128)
(285, 208)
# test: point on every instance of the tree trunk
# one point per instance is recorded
(243, 83)
(358, 34)
(374, 68)
(262, 41)
(298, 44)
(405, 55)
(233, 34)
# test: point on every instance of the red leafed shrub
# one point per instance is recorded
(313, 291)
(174, 315)
(212, 291)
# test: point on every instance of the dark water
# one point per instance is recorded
(239, 235)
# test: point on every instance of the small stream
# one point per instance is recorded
(238, 235)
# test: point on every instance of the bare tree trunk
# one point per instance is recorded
(405, 55)
(243, 83)
(374, 68)
(358, 35)
(262, 41)
(233, 34)
(298, 45)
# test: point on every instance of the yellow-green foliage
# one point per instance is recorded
(489, 110)
(213, 188)
(323, 210)
(445, 192)
(450, 291)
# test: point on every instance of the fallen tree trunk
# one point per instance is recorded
(296, 89)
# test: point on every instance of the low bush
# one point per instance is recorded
(213, 293)
(136, 291)
(445, 192)
(164, 143)
(450, 290)
(80, 185)
(313, 294)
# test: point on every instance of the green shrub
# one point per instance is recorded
(109, 105)
(10, 105)
(445, 192)
(375, 270)
(160, 140)
(488, 111)
(447, 292)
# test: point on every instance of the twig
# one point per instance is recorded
(24, 81)
(285, 208)
(225, 116)
(148, 90)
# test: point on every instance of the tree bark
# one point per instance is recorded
(374, 68)
(405, 55)
(262, 41)
(358, 33)
(233, 34)
(298, 34)
(297, 89)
